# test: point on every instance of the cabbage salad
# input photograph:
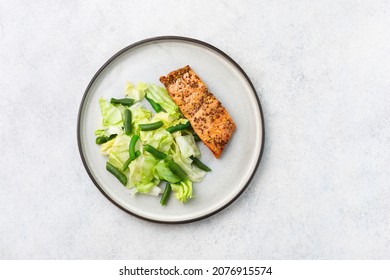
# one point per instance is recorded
(147, 147)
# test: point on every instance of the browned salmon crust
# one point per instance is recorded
(208, 117)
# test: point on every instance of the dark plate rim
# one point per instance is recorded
(146, 41)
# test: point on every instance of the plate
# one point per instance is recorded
(146, 61)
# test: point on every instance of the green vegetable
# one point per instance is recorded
(154, 105)
(178, 127)
(119, 151)
(122, 101)
(182, 190)
(139, 115)
(166, 194)
(167, 119)
(105, 148)
(136, 93)
(194, 173)
(112, 116)
(127, 162)
(163, 172)
(176, 169)
(168, 149)
(132, 144)
(187, 146)
(103, 139)
(127, 122)
(117, 173)
(199, 164)
(150, 126)
(196, 137)
(100, 132)
(160, 96)
(142, 173)
(161, 139)
(156, 153)
(149, 188)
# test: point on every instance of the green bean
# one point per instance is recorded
(178, 127)
(156, 153)
(128, 122)
(151, 126)
(156, 106)
(133, 141)
(126, 164)
(196, 137)
(175, 168)
(166, 194)
(117, 173)
(123, 101)
(200, 164)
(103, 139)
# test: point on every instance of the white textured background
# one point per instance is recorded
(322, 72)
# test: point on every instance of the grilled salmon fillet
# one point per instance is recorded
(208, 117)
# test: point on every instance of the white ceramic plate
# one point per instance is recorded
(146, 61)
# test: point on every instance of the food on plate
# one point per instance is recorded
(150, 136)
(146, 148)
(209, 119)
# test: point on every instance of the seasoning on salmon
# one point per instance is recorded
(208, 117)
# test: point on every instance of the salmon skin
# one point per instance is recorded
(207, 116)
